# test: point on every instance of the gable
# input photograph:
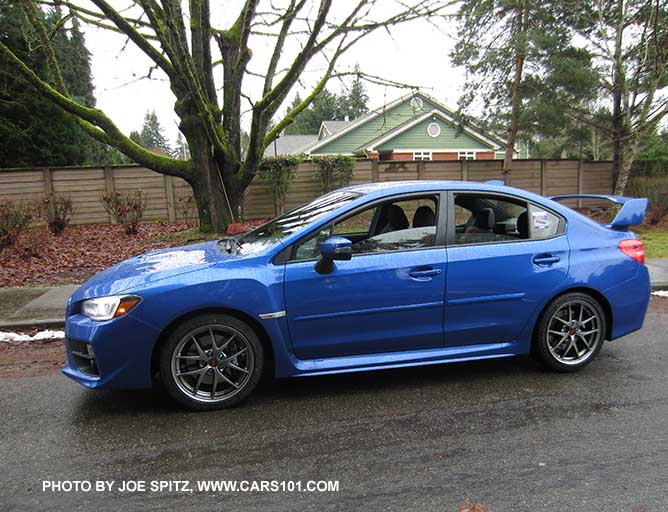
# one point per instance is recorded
(374, 127)
(416, 137)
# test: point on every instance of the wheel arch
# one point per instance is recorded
(600, 298)
(261, 332)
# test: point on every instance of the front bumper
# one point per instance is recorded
(113, 354)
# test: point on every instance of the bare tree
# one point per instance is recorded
(629, 41)
(200, 59)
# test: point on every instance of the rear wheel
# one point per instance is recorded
(211, 362)
(570, 332)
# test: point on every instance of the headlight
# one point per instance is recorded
(106, 308)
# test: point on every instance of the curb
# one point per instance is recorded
(48, 322)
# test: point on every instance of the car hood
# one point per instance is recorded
(149, 268)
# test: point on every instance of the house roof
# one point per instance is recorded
(289, 144)
(432, 114)
(394, 122)
(332, 127)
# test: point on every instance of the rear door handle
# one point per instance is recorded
(545, 259)
(423, 274)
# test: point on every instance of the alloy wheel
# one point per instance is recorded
(212, 363)
(574, 332)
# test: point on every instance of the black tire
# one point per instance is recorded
(190, 390)
(554, 354)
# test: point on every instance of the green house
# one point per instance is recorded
(413, 127)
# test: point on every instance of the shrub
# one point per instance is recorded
(187, 209)
(57, 212)
(276, 173)
(656, 190)
(14, 218)
(333, 171)
(126, 209)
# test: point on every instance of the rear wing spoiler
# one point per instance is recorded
(632, 210)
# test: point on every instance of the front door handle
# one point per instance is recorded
(424, 274)
(545, 259)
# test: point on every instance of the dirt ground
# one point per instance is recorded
(29, 359)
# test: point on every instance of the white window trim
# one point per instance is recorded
(438, 129)
(467, 155)
(422, 155)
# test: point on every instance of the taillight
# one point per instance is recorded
(633, 249)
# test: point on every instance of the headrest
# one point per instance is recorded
(397, 217)
(523, 225)
(485, 219)
(424, 216)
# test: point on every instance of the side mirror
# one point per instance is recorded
(334, 248)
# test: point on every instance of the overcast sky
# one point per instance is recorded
(415, 53)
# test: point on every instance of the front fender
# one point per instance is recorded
(253, 291)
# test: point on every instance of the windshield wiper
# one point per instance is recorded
(230, 244)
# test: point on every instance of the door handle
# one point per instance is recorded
(545, 259)
(423, 274)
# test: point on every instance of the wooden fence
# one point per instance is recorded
(86, 185)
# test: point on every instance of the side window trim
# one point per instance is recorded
(452, 225)
(441, 222)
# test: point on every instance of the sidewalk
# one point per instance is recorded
(43, 307)
(658, 273)
(34, 307)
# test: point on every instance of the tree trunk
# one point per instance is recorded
(626, 157)
(618, 84)
(522, 19)
(213, 205)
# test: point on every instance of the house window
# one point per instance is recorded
(421, 155)
(466, 155)
(433, 130)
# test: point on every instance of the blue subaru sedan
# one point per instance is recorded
(367, 277)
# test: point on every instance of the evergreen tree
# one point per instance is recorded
(181, 150)
(353, 104)
(33, 131)
(152, 136)
(500, 43)
(328, 106)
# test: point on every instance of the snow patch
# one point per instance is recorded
(48, 334)
(661, 293)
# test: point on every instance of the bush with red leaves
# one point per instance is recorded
(127, 209)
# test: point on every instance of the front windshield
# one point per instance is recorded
(292, 221)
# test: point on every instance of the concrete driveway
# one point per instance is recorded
(503, 432)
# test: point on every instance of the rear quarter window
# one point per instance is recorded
(543, 223)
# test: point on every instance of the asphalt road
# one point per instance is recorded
(504, 433)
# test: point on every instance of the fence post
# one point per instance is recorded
(542, 177)
(109, 187)
(169, 192)
(465, 169)
(580, 181)
(420, 169)
(48, 181)
(374, 170)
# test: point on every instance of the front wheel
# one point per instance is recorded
(570, 332)
(211, 362)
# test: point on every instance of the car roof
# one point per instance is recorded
(386, 188)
